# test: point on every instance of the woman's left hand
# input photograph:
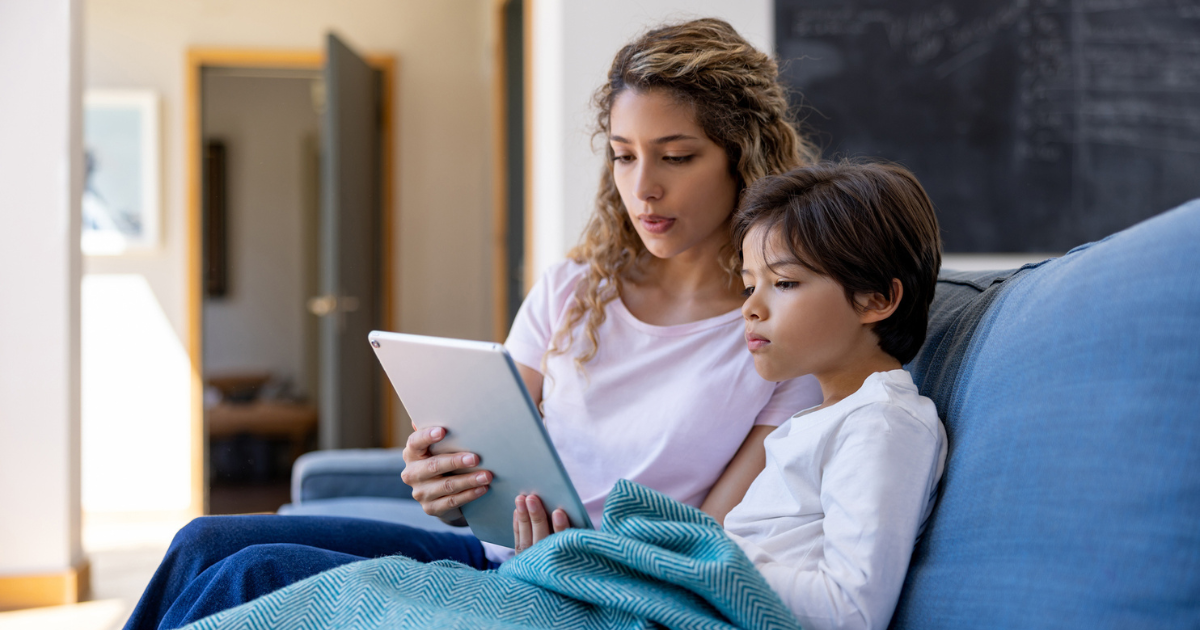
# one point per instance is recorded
(531, 524)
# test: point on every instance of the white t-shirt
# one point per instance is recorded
(665, 406)
(832, 520)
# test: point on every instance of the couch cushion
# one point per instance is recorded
(403, 511)
(1071, 397)
(331, 474)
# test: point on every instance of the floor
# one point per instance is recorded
(96, 615)
(124, 552)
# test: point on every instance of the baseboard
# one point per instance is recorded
(48, 589)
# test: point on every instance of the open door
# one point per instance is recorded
(350, 235)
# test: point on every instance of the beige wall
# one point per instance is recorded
(441, 153)
(441, 150)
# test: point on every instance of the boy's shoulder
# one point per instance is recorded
(891, 397)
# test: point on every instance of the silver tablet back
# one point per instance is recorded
(473, 390)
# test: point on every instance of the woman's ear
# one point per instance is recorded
(874, 307)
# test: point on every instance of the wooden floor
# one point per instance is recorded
(108, 614)
(124, 556)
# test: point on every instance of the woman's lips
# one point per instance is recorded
(655, 224)
(756, 342)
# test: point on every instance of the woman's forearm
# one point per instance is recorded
(731, 486)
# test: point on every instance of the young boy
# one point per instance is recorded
(840, 264)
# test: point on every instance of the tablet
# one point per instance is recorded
(473, 390)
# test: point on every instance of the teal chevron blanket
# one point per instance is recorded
(655, 562)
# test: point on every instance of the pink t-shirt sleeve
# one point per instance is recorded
(789, 398)
(540, 314)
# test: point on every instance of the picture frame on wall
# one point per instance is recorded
(121, 196)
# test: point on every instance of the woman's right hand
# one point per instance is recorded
(436, 485)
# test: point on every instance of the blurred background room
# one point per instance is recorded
(208, 203)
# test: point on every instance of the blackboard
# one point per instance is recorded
(1035, 125)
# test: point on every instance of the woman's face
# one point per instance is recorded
(673, 179)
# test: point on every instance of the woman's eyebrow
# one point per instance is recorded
(662, 140)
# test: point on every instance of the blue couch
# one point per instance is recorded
(1070, 391)
(358, 482)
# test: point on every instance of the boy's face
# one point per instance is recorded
(797, 322)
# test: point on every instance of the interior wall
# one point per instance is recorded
(440, 155)
(260, 324)
(573, 46)
(41, 184)
(441, 227)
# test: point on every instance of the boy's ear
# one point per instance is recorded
(874, 307)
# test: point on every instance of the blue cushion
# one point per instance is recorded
(403, 511)
(1071, 396)
(349, 473)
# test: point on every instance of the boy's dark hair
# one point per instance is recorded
(861, 224)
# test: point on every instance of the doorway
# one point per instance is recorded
(258, 126)
(261, 191)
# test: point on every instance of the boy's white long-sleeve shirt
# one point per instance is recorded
(832, 520)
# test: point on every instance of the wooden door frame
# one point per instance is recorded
(500, 139)
(197, 60)
(499, 176)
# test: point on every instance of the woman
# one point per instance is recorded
(633, 348)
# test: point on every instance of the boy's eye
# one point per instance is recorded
(786, 284)
(747, 292)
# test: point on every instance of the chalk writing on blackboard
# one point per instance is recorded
(1035, 124)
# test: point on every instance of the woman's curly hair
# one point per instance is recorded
(735, 93)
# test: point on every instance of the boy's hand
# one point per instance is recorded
(530, 523)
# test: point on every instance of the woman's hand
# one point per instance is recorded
(530, 523)
(436, 486)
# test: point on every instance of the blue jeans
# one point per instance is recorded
(218, 562)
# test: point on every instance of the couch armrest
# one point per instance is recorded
(349, 473)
